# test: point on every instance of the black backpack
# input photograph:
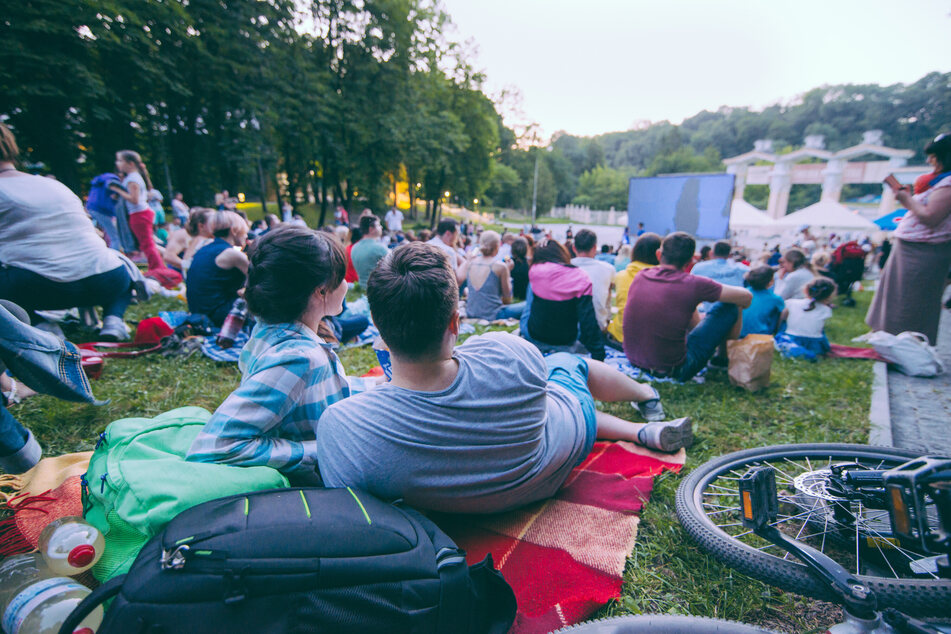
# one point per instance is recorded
(302, 560)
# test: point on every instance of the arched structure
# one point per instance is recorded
(835, 170)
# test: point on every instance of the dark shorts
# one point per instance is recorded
(571, 372)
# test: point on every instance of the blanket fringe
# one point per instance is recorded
(12, 541)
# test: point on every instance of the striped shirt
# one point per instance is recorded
(289, 377)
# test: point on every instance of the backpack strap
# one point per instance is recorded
(455, 595)
(97, 597)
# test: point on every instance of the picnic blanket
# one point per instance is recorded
(618, 360)
(565, 557)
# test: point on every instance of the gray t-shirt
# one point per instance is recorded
(44, 229)
(499, 437)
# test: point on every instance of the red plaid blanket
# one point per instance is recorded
(565, 557)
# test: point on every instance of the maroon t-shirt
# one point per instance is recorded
(657, 316)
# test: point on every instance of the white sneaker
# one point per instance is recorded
(667, 436)
(651, 409)
(113, 329)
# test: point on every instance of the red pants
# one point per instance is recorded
(140, 223)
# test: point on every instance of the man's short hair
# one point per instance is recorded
(585, 240)
(366, 223)
(413, 295)
(721, 249)
(760, 277)
(605, 248)
(446, 224)
(677, 249)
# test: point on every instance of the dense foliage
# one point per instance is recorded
(340, 98)
(349, 100)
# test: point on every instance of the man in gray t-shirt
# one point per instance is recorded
(481, 428)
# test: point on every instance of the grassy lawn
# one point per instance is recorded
(823, 402)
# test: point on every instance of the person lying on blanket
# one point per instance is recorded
(289, 374)
(485, 427)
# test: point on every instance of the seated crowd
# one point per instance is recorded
(488, 425)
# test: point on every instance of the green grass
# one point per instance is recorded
(826, 401)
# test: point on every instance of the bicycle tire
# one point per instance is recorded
(918, 597)
(661, 623)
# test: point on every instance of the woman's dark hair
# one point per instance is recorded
(520, 250)
(797, 258)
(819, 289)
(940, 148)
(286, 266)
(645, 249)
(196, 216)
(551, 251)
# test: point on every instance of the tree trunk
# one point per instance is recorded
(263, 187)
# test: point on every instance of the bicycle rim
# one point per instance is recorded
(707, 505)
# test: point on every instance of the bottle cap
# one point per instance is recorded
(81, 556)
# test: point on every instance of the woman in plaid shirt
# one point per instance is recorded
(289, 374)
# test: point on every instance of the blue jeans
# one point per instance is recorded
(108, 225)
(703, 341)
(351, 327)
(511, 311)
(13, 435)
(112, 290)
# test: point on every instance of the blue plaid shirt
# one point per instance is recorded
(289, 377)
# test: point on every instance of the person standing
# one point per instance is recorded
(909, 292)
(135, 190)
(394, 220)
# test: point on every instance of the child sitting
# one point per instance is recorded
(290, 375)
(805, 319)
(485, 427)
(763, 315)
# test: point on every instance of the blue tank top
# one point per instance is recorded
(210, 289)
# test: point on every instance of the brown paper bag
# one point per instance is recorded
(751, 359)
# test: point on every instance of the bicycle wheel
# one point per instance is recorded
(661, 623)
(708, 508)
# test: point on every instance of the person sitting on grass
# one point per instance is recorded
(762, 317)
(369, 250)
(289, 374)
(184, 243)
(663, 332)
(218, 270)
(643, 256)
(490, 293)
(485, 427)
(804, 336)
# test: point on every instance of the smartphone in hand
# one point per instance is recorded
(892, 182)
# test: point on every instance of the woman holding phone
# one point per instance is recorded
(909, 292)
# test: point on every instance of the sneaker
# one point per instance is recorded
(113, 329)
(650, 409)
(667, 436)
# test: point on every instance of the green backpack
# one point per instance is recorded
(138, 480)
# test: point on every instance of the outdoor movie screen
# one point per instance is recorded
(696, 203)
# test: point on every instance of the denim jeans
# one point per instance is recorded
(350, 327)
(511, 311)
(41, 361)
(112, 290)
(705, 338)
(13, 435)
(108, 225)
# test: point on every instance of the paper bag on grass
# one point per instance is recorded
(751, 359)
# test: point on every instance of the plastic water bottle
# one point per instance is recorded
(32, 601)
(233, 323)
(70, 545)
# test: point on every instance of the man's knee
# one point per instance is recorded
(725, 311)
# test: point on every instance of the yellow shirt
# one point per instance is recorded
(622, 282)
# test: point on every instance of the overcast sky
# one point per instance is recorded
(593, 66)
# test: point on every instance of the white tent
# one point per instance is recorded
(743, 214)
(827, 214)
